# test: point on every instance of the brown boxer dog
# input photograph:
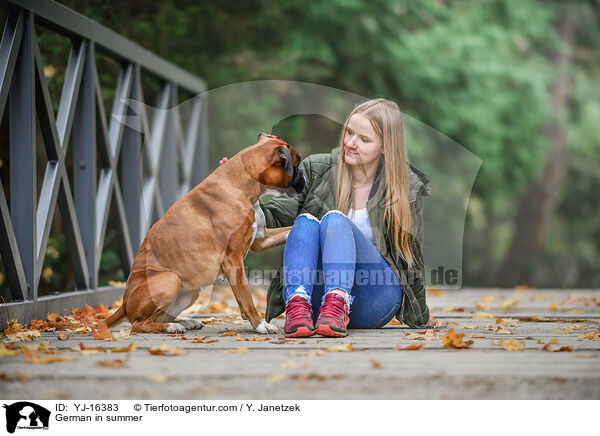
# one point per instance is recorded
(207, 233)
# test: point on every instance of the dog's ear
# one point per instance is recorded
(286, 159)
(260, 135)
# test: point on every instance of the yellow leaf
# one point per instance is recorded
(482, 306)
(131, 347)
(423, 335)
(375, 363)
(483, 315)
(277, 377)
(590, 335)
(34, 357)
(167, 350)
(13, 327)
(237, 350)
(510, 345)
(488, 298)
(341, 348)
(469, 326)
(229, 333)
(410, 347)
(158, 378)
(5, 351)
(454, 340)
(508, 304)
(122, 334)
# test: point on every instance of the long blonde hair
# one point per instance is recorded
(386, 119)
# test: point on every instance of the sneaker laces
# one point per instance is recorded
(334, 306)
(299, 307)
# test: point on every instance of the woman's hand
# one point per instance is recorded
(432, 321)
(223, 160)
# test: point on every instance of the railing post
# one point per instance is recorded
(84, 163)
(23, 188)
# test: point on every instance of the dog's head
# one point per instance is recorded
(283, 161)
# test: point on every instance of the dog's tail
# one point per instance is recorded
(116, 317)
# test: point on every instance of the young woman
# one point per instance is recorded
(353, 258)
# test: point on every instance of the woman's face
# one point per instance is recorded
(362, 146)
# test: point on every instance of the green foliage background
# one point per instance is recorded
(477, 71)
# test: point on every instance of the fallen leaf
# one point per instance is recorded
(500, 331)
(12, 327)
(102, 334)
(25, 335)
(297, 364)
(122, 333)
(394, 321)
(253, 338)
(277, 377)
(510, 345)
(375, 363)
(316, 376)
(482, 306)
(131, 347)
(5, 351)
(488, 298)
(11, 375)
(508, 322)
(469, 326)
(522, 287)
(590, 335)
(483, 315)
(341, 348)
(158, 378)
(113, 363)
(62, 336)
(553, 346)
(453, 339)
(508, 304)
(425, 335)
(229, 333)
(434, 292)
(410, 347)
(476, 335)
(88, 352)
(34, 357)
(552, 307)
(237, 350)
(167, 350)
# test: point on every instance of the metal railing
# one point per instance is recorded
(141, 169)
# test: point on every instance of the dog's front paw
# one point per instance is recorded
(265, 328)
(191, 324)
(174, 327)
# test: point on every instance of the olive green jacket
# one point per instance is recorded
(318, 198)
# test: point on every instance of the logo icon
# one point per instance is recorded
(24, 414)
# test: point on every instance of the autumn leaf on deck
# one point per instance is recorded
(131, 347)
(25, 335)
(591, 335)
(35, 357)
(510, 345)
(476, 335)
(509, 304)
(375, 363)
(453, 309)
(202, 340)
(453, 339)
(229, 333)
(410, 347)
(469, 326)
(488, 298)
(253, 338)
(167, 350)
(102, 334)
(483, 315)
(482, 306)
(122, 333)
(277, 377)
(113, 363)
(341, 348)
(508, 322)
(425, 335)
(5, 351)
(13, 327)
(434, 292)
(62, 336)
(237, 350)
(553, 346)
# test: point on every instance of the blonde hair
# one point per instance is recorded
(386, 119)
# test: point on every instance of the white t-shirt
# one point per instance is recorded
(360, 218)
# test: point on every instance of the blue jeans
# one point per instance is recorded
(320, 256)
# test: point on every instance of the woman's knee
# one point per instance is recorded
(306, 221)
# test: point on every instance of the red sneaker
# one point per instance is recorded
(333, 316)
(298, 318)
